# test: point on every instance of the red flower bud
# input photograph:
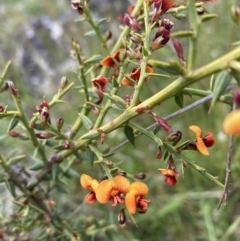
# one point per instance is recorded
(122, 217)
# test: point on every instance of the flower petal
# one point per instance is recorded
(130, 202)
(90, 198)
(201, 146)
(103, 193)
(196, 130)
(121, 184)
(209, 139)
(139, 188)
(109, 60)
(171, 181)
(86, 181)
(94, 185)
(231, 124)
(168, 172)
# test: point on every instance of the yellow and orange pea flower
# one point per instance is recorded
(231, 124)
(110, 60)
(134, 200)
(203, 142)
(112, 190)
(91, 184)
(170, 176)
(135, 75)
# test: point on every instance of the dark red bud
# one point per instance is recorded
(236, 96)
(122, 217)
(1, 108)
(131, 22)
(140, 175)
(159, 153)
(25, 202)
(60, 123)
(124, 174)
(66, 144)
(44, 104)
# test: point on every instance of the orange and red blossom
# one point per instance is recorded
(100, 83)
(203, 142)
(135, 75)
(91, 184)
(134, 200)
(112, 190)
(170, 176)
(231, 124)
(111, 60)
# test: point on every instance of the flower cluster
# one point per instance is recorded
(117, 190)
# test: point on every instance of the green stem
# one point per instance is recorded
(107, 106)
(147, 133)
(95, 27)
(9, 113)
(192, 164)
(4, 73)
(82, 73)
(146, 51)
(56, 99)
(100, 159)
(156, 99)
(30, 131)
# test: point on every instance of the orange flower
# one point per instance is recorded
(135, 75)
(202, 143)
(231, 124)
(109, 60)
(134, 199)
(88, 182)
(170, 176)
(114, 190)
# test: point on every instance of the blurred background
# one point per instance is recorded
(36, 36)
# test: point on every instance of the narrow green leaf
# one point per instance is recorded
(55, 171)
(87, 123)
(212, 80)
(222, 81)
(116, 100)
(89, 156)
(235, 70)
(59, 147)
(37, 166)
(32, 183)
(156, 129)
(13, 123)
(128, 131)
(207, 17)
(16, 159)
(11, 187)
(165, 66)
(60, 188)
(179, 100)
(101, 21)
(94, 59)
(90, 33)
(165, 156)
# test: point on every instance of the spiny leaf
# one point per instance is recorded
(222, 81)
(13, 123)
(87, 123)
(179, 100)
(89, 155)
(128, 131)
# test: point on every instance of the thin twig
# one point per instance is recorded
(228, 169)
(179, 112)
